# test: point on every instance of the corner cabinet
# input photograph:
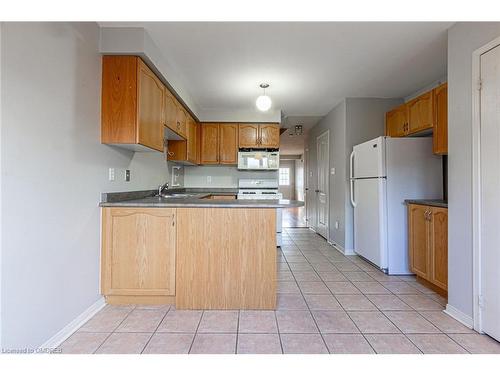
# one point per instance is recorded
(133, 102)
(428, 244)
(259, 136)
(138, 255)
(185, 151)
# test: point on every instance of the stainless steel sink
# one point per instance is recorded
(176, 195)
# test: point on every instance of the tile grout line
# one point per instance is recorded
(156, 329)
(114, 330)
(196, 331)
(308, 307)
(237, 332)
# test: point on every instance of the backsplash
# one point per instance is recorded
(220, 176)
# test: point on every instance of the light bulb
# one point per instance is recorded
(263, 103)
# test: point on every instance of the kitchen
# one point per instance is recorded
(180, 247)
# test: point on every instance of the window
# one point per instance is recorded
(285, 176)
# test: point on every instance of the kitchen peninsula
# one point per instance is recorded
(197, 249)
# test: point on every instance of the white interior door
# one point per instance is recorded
(490, 188)
(323, 158)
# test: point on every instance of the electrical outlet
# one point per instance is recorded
(332, 171)
(336, 225)
(209, 179)
(127, 175)
(111, 174)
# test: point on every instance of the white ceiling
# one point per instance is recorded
(310, 66)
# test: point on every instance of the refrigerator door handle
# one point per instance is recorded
(352, 193)
(351, 175)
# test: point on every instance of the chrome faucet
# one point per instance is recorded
(161, 188)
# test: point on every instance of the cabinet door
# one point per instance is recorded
(170, 111)
(209, 144)
(151, 103)
(191, 140)
(269, 135)
(420, 113)
(439, 247)
(419, 240)
(248, 136)
(396, 122)
(180, 126)
(228, 143)
(138, 251)
(440, 137)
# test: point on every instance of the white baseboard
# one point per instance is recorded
(460, 316)
(341, 249)
(71, 328)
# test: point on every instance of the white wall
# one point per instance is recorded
(463, 39)
(53, 170)
(221, 176)
(353, 121)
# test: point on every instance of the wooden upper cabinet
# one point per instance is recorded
(133, 101)
(170, 111)
(185, 151)
(192, 140)
(209, 143)
(440, 140)
(259, 136)
(248, 136)
(138, 251)
(418, 240)
(420, 113)
(181, 121)
(228, 143)
(438, 222)
(151, 108)
(396, 122)
(269, 135)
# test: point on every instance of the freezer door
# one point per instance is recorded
(368, 159)
(370, 220)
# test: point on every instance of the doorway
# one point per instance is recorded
(486, 187)
(322, 190)
(291, 185)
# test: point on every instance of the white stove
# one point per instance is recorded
(262, 189)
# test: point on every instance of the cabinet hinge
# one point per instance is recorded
(479, 84)
(480, 301)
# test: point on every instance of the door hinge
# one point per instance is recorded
(480, 301)
(479, 84)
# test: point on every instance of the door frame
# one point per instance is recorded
(327, 133)
(476, 180)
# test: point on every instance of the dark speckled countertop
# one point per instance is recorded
(428, 202)
(147, 198)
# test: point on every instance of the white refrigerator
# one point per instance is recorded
(383, 173)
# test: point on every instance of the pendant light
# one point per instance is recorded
(263, 102)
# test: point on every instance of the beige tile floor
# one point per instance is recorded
(327, 303)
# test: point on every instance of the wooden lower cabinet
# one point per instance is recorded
(138, 254)
(221, 261)
(439, 247)
(419, 240)
(428, 243)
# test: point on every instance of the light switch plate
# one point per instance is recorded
(209, 179)
(332, 171)
(111, 174)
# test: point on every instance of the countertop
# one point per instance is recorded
(147, 198)
(428, 202)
